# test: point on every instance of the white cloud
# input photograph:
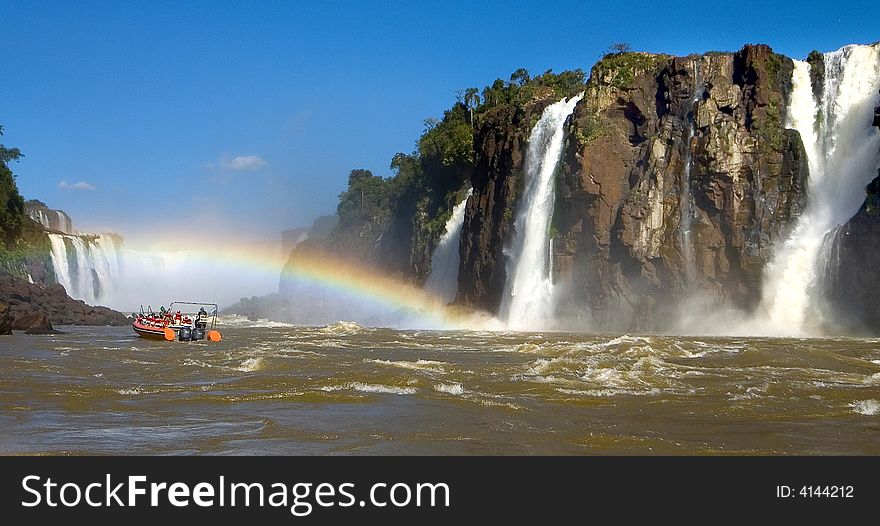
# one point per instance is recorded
(82, 185)
(243, 163)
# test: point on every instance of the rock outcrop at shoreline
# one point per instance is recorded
(31, 306)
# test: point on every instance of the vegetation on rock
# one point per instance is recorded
(12, 215)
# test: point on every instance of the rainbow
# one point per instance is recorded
(355, 281)
(327, 272)
(220, 271)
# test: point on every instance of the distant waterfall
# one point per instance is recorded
(443, 279)
(528, 296)
(843, 151)
(86, 266)
(56, 220)
(99, 270)
(40, 217)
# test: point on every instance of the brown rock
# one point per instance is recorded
(5, 320)
(25, 298)
(34, 323)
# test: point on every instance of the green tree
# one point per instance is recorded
(365, 200)
(12, 215)
(520, 77)
(471, 100)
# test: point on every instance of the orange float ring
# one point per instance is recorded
(214, 336)
(170, 335)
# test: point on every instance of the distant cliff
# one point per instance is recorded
(56, 220)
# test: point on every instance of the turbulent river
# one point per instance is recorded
(344, 389)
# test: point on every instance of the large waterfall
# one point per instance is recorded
(528, 297)
(445, 261)
(87, 266)
(842, 150)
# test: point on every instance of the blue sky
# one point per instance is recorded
(248, 116)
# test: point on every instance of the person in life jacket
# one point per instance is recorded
(201, 319)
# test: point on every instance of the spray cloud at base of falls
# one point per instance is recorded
(443, 279)
(528, 296)
(842, 150)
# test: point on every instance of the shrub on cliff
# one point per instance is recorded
(12, 214)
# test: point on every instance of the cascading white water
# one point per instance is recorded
(86, 266)
(40, 217)
(843, 152)
(445, 261)
(528, 301)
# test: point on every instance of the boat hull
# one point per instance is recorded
(154, 333)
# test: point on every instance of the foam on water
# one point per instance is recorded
(370, 388)
(453, 389)
(251, 364)
(342, 328)
(866, 407)
(418, 365)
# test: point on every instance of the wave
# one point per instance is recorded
(866, 407)
(370, 388)
(418, 365)
(241, 321)
(249, 365)
(453, 389)
(342, 328)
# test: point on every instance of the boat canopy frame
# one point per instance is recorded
(211, 314)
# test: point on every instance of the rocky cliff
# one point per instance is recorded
(26, 300)
(659, 146)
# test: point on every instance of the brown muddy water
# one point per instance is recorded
(345, 389)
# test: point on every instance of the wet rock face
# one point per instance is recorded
(625, 194)
(26, 300)
(692, 144)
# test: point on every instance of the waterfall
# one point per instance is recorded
(685, 203)
(445, 261)
(86, 266)
(843, 152)
(528, 297)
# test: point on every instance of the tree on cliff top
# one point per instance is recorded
(364, 203)
(618, 48)
(11, 203)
